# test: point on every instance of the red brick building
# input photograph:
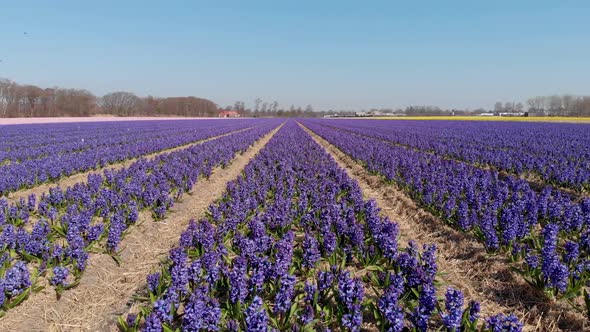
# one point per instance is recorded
(228, 114)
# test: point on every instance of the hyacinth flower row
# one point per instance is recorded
(556, 153)
(22, 142)
(65, 138)
(121, 143)
(545, 233)
(51, 236)
(293, 246)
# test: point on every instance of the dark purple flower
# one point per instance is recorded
(233, 325)
(325, 280)
(17, 279)
(311, 252)
(310, 291)
(202, 313)
(426, 306)
(531, 260)
(353, 319)
(153, 323)
(162, 308)
(572, 252)
(238, 281)
(285, 294)
(474, 309)
(454, 309)
(60, 275)
(153, 281)
(502, 323)
(390, 308)
(350, 290)
(131, 319)
(329, 242)
(307, 315)
(2, 294)
(94, 232)
(256, 317)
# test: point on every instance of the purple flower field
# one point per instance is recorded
(293, 243)
(34, 154)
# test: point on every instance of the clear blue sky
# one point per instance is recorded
(340, 54)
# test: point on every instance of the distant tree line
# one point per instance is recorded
(31, 101)
(564, 105)
(18, 100)
(264, 109)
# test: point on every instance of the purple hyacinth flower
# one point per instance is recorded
(60, 275)
(256, 316)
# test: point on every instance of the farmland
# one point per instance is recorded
(307, 224)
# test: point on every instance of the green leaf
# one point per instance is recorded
(122, 324)
(166, 328)
(274, 321)
(17, 300)
(293, 311)
(374, 268)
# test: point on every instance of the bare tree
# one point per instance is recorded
(74, 102)
(536, 104)
(120, 103)
(257, 102)
(32, 96)
(508, 107)
(4, 96)
(239, 106)
(555, 104)
(498, 107)
(568, 102)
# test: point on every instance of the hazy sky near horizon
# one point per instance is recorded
(331, 54)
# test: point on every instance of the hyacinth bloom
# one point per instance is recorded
(502, 323)
(256, 316)
(153, 281)
(280, 251)
(60, 275)
(474, 309)
(201, 313)
(285, 294)
(16, 279)
(454, 309)
(98, 213)
(442, 171)
(389, 306)
(85, 145)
